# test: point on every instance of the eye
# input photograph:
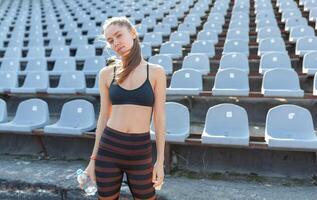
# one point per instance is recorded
(110, 41)
(119, 35)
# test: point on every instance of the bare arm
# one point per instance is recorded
(159, 113)
(105, 108)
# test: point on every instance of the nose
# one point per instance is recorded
(116, 43)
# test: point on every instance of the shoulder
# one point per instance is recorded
(106, 74)
(157, 70)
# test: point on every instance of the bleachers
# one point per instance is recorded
(230, 65)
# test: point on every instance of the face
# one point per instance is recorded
(120, 39)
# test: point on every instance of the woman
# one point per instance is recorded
(130, 91)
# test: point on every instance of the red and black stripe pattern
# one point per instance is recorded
(124, 152)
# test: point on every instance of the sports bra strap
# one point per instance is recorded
(147, 71)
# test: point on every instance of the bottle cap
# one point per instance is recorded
(79, 171)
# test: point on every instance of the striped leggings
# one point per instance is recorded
(121, 152)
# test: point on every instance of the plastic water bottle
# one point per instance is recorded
(88, 185)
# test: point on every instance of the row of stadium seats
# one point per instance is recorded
(228, 82)
(198, 61)
(225, 124)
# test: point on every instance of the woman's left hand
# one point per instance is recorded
(158, 175)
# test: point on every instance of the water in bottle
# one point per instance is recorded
(87, 184)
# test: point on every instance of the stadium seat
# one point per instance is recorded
(70, 83)
(290, 13)
(310, 63)
(262, 23)
(185, 82)
(63, 65)
(295, 21)
(11, 64)
(33, 83)
(274, 60)
(93, 65)
(236, 46)
(56, 41)
(3, 111)
(142, 30)
(149, 22)
(290, 126)
(31, 114)
(268, 32)
(164, 29)
(154, 39)
(36, 64)
(238, 34)
(177, 123)
(193, 19)
(208, 35)
(59, 52)
(77, 117)
(234, 60)
(79, 41)
(226, 124)
(271, 45)
(198, 62)
(204, 47)
(146, 50)
(164, 60)
(187, 27)
(35, 42)
(8, 80)
(213, 26)
(305, 45)
(301, 31)
(16, 42)
(36, 52)
(281, 83)
(239, 25)
(180, 37)
(171, 20)
(231, 82)
(172, 49)
(13, 52)
(84, 52)
(264, 14)
(309, 4)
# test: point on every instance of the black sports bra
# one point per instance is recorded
(142, 95)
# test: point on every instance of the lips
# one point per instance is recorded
(119, 49)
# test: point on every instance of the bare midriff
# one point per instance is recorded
(131, 119)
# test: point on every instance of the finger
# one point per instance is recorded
(158, 184)
(154, 176)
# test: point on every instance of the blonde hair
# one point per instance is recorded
(130, 61)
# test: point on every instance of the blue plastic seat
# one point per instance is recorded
(34, 82)
(281, 83)
(231, 82)
(70, 83)
(226, 124)
(177, 123)
(31, 114)
(290, 127)
(77, 117)
(185, 82)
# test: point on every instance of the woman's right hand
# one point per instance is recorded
(90, 171)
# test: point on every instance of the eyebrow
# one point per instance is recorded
(114, 34)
